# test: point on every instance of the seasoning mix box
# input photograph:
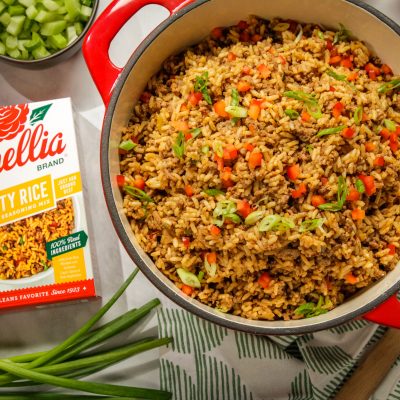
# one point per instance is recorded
(44, 242)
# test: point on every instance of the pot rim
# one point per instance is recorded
(200, 310)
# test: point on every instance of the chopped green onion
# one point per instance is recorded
(254, 217)
(234, 218)
(331, 131)
(275, 223)
(236, 111)
(218, 149)
(195, 132)
(299, 35)
(201, 86)
(281, 27)
(309, 148)
(188, 278)
(336, 76)
(341, 197)
(138, 194)
(225, 209)
(301, 96)
(311, 224)
(235, 97)
(390, 125)
(127, 145)
(21, 240)
(309, 101)
(342, 35)
(360, 186)
(320, 35)
(388, 86)
(210, 268)
(292, 114)
(205, 149)
(213, 192)
(200, 276)
(179, 146)
(309, 310)
(358, 115)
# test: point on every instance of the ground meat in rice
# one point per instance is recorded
(264, 177)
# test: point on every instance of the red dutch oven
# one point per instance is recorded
(189, 22)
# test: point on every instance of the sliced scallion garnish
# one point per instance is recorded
(331, 131)
(292, 114)
(309, 310)
(358, 115)
(213, 192)
(218, 149)
(179, 145)
(389, 125)
(201, 86)
(336, 76)
(309, 100)
(138, 194)
(342, 35)
(309, 148)
(311, 224)
(299, 35)
(388, 86)
(235, 97)
(360, 186)
(236, 111)
(210, 268)
(127, 145)
(342, 193)
(254, 217)
(195, 132)
(225, 209)
(188, 278)
(275, 223)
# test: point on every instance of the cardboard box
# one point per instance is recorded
(44, 242)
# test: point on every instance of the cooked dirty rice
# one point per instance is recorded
(23, 243)
(246, 112)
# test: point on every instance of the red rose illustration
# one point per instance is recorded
(12, 120)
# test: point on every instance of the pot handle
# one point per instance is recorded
(97, 42)
(387, 313)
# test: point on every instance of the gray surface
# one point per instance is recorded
(27, 331)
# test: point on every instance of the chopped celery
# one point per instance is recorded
(86, 12)
(73, 8)
(21, 44)
(16, 10)
(27, 3)
(51, 5)
(46, 16)
(52, 28)
(33, 29)
(35, 42)
(31, 12)
(2, 6)
(71, 34)
(16, 24)
(78, 28)
(13, 53)
(11, 42)
(24, 54)
(58, 41)
(5, 18)
(40, 52)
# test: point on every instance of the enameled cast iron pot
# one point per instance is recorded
(189, 22)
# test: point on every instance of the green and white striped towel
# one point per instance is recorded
(208, 362)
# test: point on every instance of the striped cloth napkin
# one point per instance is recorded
(208, 362)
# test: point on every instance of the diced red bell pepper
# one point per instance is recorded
(217, 33)
(219, 108)
(369, 184)
(194, 98)
(186, 241)
(348, 133)
(392, 249)
(293, 172)
(255, 159)
(226, 177)
(243, 208)
(120, 181)
(139, 183)
(357, 214)
(354, 195)
(300, 191)
(337, 109)
(317, 200)
(264, 280)
(379, 162)
(243, 86)
(188, 290)
(230, 152)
